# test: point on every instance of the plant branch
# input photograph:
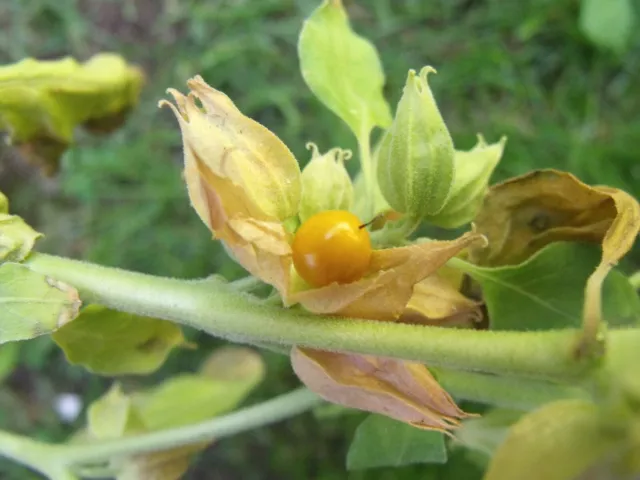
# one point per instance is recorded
(215, 307)
(505, 392)
(55, 460)
(266, 413)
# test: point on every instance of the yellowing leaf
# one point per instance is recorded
(242, 180)
(343, 69)
(556, 442)
(617, 241)
(224, 380)
(388, 285)
(33, 304)
(41, 102)
(402, 390)
(115, 343)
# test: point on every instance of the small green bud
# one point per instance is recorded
(325, 183)
(415, 164)
(471, 180)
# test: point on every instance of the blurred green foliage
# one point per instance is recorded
(524, 69)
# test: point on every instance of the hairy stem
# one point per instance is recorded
(215, 307)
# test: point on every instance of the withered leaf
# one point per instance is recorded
(399, 389)
(522, 215)
(389, 283)
(242, 180)
(436, 301)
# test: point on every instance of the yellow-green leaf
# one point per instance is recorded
(343, 69)
(32, 304)
(4, 203)
(112, 415)
(115, 343)
(16, 238)
(41, 102)
(556, 442)
(224, 380)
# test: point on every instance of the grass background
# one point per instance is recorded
(519, 68)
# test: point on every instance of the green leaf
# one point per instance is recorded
(380, 441)
(487, 432)
(9, 355)
(547, 290)
(556, 442)
(41, 102)
(343, 69)
(115, 343)
(608, 23)
(224, 380)
(32, 304)
(16, 237)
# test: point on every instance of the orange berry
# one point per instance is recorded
(331, 246)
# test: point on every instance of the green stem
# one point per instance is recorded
(503, 392)
(54, 461)
(28, 452)
(364, 148)
(215, 307)
(634, 280)
(266, 413)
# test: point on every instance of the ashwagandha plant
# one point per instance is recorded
(525, 313)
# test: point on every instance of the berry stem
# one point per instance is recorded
(364, 148)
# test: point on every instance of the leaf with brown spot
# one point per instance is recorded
(524, 214)
(389, 283)
(398, 389)
(32, 304)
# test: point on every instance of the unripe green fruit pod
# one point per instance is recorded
(416, 158)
